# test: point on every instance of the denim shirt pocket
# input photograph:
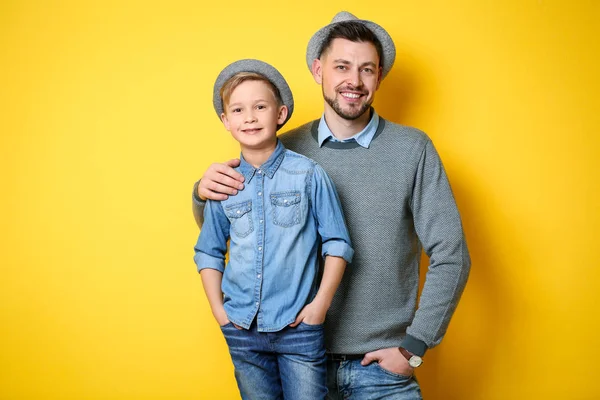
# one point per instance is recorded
(286, 208)
(240, 216)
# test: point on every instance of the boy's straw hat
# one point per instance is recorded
(259, 67)
(316, 42)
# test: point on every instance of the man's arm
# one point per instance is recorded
(439, 227)
(217, 183)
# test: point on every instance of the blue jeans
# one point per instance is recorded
(288, 364)
(349, 380)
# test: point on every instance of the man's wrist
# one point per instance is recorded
(413, 360)
(414, 345)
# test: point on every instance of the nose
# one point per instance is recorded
(354, 78)
(250, 117)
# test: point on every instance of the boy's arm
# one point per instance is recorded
(210, 256)
(336, 246)
(219, 181)
(327, 211)
(211, 280)
(314, 312)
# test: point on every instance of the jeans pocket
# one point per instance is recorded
(391, 373)
(227, 325)
(286, 208)
(312, 327)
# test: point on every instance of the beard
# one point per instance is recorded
(354, 112)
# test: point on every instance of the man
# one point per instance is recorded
(397, 201)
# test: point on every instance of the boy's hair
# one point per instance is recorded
(354, 32)
(236, 80)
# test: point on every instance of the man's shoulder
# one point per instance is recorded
(405, 132)
(300, 133)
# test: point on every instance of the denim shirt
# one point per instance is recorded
(275, 224)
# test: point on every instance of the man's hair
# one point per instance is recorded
(236, 80)
(354, 32)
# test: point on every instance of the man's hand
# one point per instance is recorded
(312, 314)
(389, 359)
(220, 180)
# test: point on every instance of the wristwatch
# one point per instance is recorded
(413, 360)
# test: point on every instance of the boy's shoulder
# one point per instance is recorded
(297, 161)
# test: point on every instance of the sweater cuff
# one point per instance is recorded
(195, 196)
(414, 345)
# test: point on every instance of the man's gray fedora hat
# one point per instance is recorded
(259, 67)
(316, 42)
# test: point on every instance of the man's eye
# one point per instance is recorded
(341, 67)
(368, 70)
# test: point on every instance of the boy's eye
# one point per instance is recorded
(261, 106)
(236, 110)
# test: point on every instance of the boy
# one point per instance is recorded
(267, 300)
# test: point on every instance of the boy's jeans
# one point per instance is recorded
(352, 381)
(288, 364)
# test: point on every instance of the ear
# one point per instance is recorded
(317, 71)
(225, 121)
(282, 115)
(379, 77)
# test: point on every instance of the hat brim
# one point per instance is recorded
(259, 67)
(389, 49)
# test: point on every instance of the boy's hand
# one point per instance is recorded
(312, 314)
(221, 317)
(220, 180)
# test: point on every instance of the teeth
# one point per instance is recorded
(351, 95)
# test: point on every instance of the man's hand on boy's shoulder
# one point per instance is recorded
(220, 180)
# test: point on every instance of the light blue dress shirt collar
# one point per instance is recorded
(363, 138)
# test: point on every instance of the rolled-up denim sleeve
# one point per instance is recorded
(327, 210)
(212, 242)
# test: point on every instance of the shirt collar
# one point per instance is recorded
(268, 168)
(363, 138)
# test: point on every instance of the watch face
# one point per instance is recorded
(415, 361)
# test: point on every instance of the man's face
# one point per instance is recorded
(349, 74)
(252, 115)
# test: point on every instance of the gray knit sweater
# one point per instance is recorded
(397, 201)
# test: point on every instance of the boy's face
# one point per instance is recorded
(349, 74)
(252, 115)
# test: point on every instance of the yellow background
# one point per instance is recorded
(106, 121)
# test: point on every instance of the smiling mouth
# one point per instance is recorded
(351, 96)
(251, 131)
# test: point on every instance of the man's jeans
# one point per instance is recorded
(349, 380)
(288, 364)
